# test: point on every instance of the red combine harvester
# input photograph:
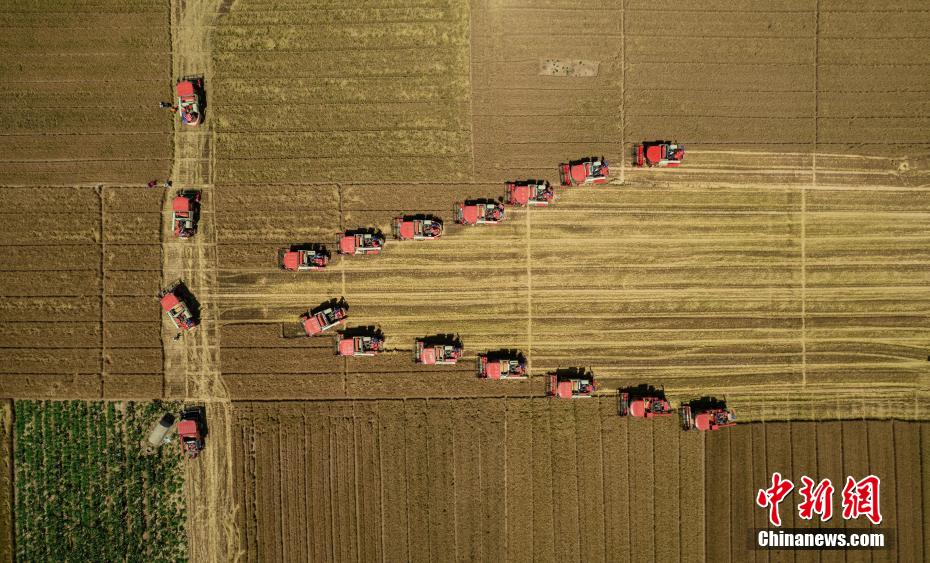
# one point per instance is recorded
(417, 228)
(711, 418)
(437, 354)
(529, 192)
(479, 213)
(658, 153)
(576, 385)
(188, 90)
(591, 170)
(189, 432)
(178, 310)
(491, 366)
(359, 346)
(185, 212)
(355, 243)
(302, 259)
(316, 323)
(643, 406)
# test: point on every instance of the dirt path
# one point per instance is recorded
(192, 363)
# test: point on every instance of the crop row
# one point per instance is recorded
(109, 500)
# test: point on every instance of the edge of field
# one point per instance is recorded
(6, 480)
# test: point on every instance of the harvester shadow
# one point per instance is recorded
(706, 403)
(310, 247)
(370, 330)
(643, 390)
(198, 413)
(373, 231)
(506, 354)
(442, 340)
(571, 372)
(336, 302)
(183, 293)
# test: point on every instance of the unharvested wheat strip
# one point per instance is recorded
(742, 492)
(667, 484)
(616, 482)
(518, 477)
(882, 456)
(804, 459)
(911, 487)
(779, 458)
(691, 469)
(466, 460)
(418, 480)
(320, 479)
(544, 522)
(856, 463)
(442, 485)
(393, 467)
(267, 464)
(642, 490)
(924, 447)
(492, 435)
(759, 479)
(342, 437)
(717, 495)
(590, 456)
(830, 466)
(294, 446)
(367, 463)
(566, 508)
(249, 498)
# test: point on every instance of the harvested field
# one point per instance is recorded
(85, 80)
(428, 477)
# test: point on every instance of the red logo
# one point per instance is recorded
(773, 496)
(860, 498)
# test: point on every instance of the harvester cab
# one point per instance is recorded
(354, 243)
(417, 228)
(303, 259)
(499, 365)
(658, 153)
(524, 193)
(322, 320)
(185, 213)
(189, 91)
(571, 384)
(431, 352)
(643, 405)
(359, 345)
(703, 417)
(478, 213)
(174, 303)
(590, 170)
(191, 432)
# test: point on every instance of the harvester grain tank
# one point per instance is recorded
(706, 418)
(369, 345)
(590, 170)
(190, 105)
(497, 366)
(525, 193)
(572, 385)
(354, 243)
(318, 322)
(185, 213)
(436, 354)
(175, 305)
(417, 228)
(160, 433)
(478, 213)
(647, 406)
(665, 154)
(190, 432)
